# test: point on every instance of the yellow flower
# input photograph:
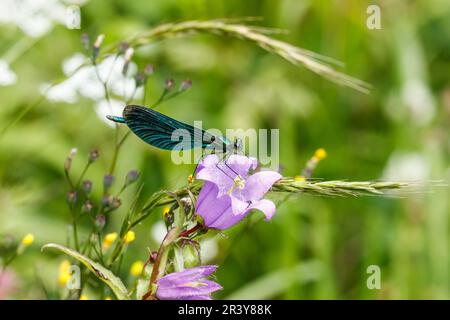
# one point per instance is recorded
(109, 239)
(320, 154)
(136, 268)
(166, 210)
(28, 240)
(64, 273)
(190, 179)
(129, 237)
(84, 297)
(299, 178)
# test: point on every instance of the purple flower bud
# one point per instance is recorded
(100, 221)
(93, 155)
(116, 203)
(108, 180)
(185, 85)
(87, 206)
(131, 177)
(72, 197)
(190, 284)
(169, 84)
(87, 186)
(106, 200)
(127, 57)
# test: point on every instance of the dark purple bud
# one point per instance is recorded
(108, 180)
(149, 70)
(87, 186)
(100, 221)
(169, 84)
(87, 206)
(116, 203)
(72, 197)
(132, 176)
(93, 155)
(106, 200)
(127, 57)
(85, 41)
(153, 256)
(185, 85)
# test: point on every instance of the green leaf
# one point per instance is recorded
(97, 269)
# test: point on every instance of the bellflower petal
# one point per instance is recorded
(229, 193)
(190, 284)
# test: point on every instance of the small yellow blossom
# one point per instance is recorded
(136, 268)
(84, 297)
(109, 239)
(129, 237)
(299, 178)
(320, 154)
(190, 179)
(166, 210)
(28, 240)
(64, 273)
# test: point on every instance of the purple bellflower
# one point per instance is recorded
(190, 284)
(230, 193)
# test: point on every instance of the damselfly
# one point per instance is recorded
(158, 130)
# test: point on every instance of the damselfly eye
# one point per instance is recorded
(213, 139)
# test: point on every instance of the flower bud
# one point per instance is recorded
(72, 197)
(108, 180)
(131, 177)
(168, 216)
(87, 186)
(136, 268)
(28, 240)
(116, 203)
(86, 207)
(106, 200)
(185, 85)
(100, 221)
(187, 204)
(93, 155)
(169, 84)
(191, 254)
(130, 236)
(68, 162)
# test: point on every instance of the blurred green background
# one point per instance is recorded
(314, 248)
